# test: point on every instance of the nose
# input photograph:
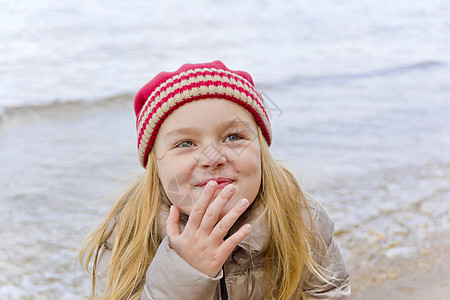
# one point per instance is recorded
(212, 157)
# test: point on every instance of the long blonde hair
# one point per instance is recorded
(134, 218)
(289, 257)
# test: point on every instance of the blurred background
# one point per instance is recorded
(359, 100)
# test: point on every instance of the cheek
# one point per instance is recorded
(164, 173)
(173, 166)
(176, 177)
(250, 163)
(250, 170)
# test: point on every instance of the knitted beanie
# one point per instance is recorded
(169, 90)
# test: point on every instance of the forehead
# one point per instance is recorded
(209, 112)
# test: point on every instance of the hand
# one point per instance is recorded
(201, 243)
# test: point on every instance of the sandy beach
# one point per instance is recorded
(423, 277)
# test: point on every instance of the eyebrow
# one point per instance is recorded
(181, 131)
(235, 122)
(194, 131)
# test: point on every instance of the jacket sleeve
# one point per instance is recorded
(337, 285)
(170, 277)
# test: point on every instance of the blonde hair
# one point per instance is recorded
(134, 218)
(289, 257)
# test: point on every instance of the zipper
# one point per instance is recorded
(223, 286)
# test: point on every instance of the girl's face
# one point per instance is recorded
(210, 139)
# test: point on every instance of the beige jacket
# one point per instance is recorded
(170, 277)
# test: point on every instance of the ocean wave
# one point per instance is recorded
(73, 105)
(341, 77)
(294, 80)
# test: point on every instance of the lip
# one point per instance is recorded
(221, 182)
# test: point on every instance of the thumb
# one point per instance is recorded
(172, 228)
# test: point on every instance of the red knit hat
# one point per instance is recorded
(169, 90)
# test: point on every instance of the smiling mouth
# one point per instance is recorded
(221, 182)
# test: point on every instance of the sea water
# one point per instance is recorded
(358, 94)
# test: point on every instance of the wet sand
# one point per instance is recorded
(425, 276)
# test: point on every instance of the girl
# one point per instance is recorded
(214, 216)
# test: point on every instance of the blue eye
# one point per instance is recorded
(185, 144)
(233, 137)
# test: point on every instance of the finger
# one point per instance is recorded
(224, 225)
(172, 228)
(214, 209)
(196, 215)
(230, 243)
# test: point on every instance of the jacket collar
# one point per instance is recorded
(256, 241)
(258, 238)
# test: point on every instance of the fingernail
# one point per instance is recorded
(247, 227)
(211, 184)
(243, 202)
(230, 188)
